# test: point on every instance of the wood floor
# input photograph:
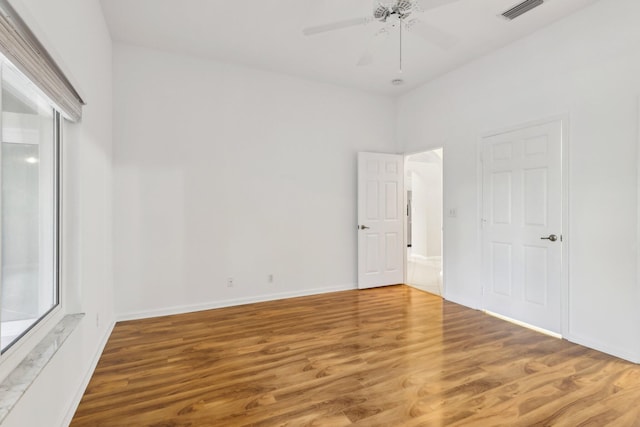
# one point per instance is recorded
(392, 356)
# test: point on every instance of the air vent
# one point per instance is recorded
(521, 8)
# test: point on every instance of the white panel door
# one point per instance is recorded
(522, 213)
(380, 219)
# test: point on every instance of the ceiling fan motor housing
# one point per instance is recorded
(401, 8)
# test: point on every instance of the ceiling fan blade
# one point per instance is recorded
(374, 45)
(432, 34)
(338, 25)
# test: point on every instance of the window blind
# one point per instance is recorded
(23, 49)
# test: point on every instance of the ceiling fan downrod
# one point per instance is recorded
(400, 60)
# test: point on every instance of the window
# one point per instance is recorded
(29, 206)
(34, 96)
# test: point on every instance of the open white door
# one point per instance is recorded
(380, 219)
(522, 225)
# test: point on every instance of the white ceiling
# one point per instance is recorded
(267, 34)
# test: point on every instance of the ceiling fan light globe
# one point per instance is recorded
(381, 13)
(404, 6)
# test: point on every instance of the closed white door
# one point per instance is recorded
(522, 221)
(380, 220)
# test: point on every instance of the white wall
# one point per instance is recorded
(223, 171)
(75, 32)
(586, 66)
(211, 184)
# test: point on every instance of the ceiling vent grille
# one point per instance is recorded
(521, 8)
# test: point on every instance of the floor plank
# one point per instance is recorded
(390, 356)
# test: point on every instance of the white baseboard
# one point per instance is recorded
(73, 406)
(605, 348)
(576, 339)
(524, 324)
(180, 309)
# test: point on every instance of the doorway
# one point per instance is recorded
(423, 192)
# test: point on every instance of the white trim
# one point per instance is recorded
(443, 232)
(566, 241)
(405, 224)
(506, 129)
(180, 309)
(479, 213)
(445, 227)
(523, 324)
(13, 356)
(605, 348)
(73, 405)
(424, 150)
(564, 184)
(636, 358)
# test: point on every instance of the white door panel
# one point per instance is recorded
(522, 203)
(380, 219)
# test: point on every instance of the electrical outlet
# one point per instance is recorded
(270, 278)
(230, 282)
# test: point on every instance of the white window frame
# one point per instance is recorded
(16, 352)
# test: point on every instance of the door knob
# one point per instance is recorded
(551, 237)
(364, 227)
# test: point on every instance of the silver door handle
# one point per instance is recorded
(364, 227)
(551, 237)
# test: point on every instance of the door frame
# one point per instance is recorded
(444, 204)
(564, 120)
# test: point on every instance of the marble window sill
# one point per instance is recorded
(18, 381)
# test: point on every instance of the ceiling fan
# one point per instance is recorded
(394, 14)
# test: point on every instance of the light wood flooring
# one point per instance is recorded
(391, 356)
